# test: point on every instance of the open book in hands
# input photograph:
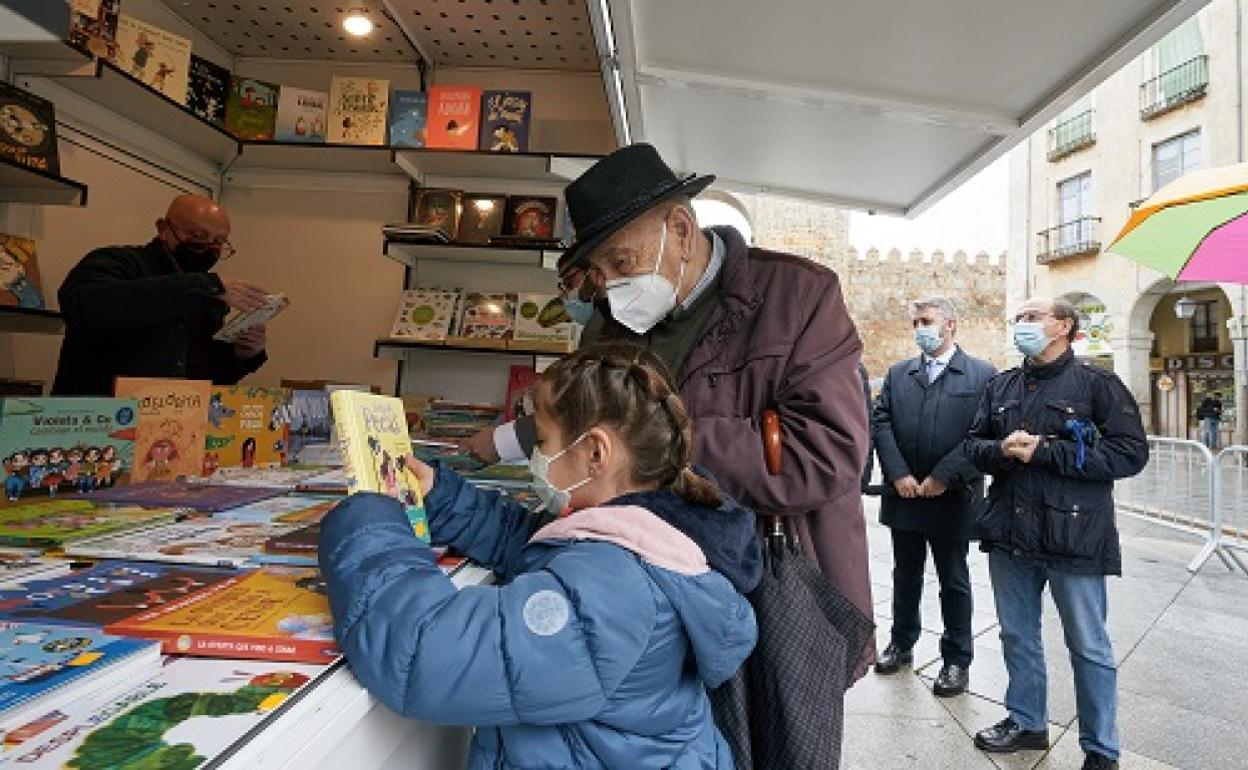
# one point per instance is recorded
(238, 323)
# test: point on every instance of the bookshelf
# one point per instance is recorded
(510, 350)
(22, 184)
(44, 57)
(410, 254)
(26, 320)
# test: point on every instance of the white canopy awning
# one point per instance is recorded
(884, 105)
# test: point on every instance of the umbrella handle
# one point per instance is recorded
(773, 454)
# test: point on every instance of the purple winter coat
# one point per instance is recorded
(781, 338)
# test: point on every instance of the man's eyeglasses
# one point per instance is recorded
(1032, 316)
(223, 247)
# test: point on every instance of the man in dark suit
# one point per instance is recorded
(920, 420)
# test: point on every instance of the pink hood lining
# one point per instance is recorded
(634, 528)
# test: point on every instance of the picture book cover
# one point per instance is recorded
(519, 382)
(44, 667)
(28, 129)
(238, 323)
(173, 420)
(481, 218)
(19, 564)
(190, 712)
(20, 284)
(215, 542)
(530, 216)
(251, 110)
(106, 593)
(208, 90)
(275, 478)
(306, 413)
(289, 509)
(505, 119)
(409, 112)
(93, 26)
(454, 117)
(208, 498)
(53, 523)
(154, 56)
(273, 613)
(64, 444)
(487, 317)
(301, 115)
(425, 314)
(440, 209)
(245, 428)
(542, 317)
(358, 109)
(375, 443)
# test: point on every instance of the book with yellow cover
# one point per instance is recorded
(375, 444)
(274, 613)
(173, 417)
(245, 428)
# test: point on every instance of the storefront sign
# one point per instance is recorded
(1200, 363)
(1095, 335)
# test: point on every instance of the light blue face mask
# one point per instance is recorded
(1030, 339)
(928, 339)
(553, 499)
(578, 309)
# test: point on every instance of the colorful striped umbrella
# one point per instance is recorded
(1193, 229)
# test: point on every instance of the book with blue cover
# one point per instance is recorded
(505, 120)
(409, 115)
(43, 666)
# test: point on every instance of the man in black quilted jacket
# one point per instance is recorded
(1054, 434)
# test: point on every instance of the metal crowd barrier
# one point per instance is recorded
(1188, 488)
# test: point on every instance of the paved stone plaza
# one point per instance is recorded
(1181, 641)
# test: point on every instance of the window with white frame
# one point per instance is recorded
(1175, 157)
(1074, 211)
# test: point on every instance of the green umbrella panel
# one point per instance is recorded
(1166, 240)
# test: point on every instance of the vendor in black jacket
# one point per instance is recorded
(151, 311)
(1054, 434)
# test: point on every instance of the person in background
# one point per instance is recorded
(743, 330)
(1055, 434)
(921, 418)
(1209, 413)
(151, 311)
(611, 621)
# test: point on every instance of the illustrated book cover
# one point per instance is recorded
(208, 90)
(301, 115)
(155, 57)
(358, 110)
(245, 428)
(409, 113)
(518, 402)
(20, 284)
(63, 444)
(481, 218)
(215, 542)
(54, 523)
(487, 320)
(454, 117)
(505, 119)
(28, 129)
(238, 323)
(439, 209)
(251, 110)
(173, 420)
(425, 314)
(543, 318)
(530, 216)
(93, 26)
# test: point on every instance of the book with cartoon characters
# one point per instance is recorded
(173, 421)
(273, 613)
(358, 108)
(93, 26)
(373, 435)
(53, 523)
(44, 667)
(20, 285)
(65, 444)
(189, 712)
(505, 119)
(245, 428)
(454, 117)
(251, 110)
(155, 57)
(301, 115)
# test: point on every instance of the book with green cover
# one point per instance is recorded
(251, 111)
(52, 445)
(375, 443)
(53, 523)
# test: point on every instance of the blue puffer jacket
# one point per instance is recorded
(595, 651)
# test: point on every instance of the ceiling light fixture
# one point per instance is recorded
(357, 22)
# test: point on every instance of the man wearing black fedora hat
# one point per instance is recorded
(743, 330)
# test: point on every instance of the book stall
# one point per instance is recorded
(160, 597)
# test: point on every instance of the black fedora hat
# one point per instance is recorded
(615, 191)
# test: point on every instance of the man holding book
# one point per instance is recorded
(152, 310)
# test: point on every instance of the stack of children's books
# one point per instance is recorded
(158, 560)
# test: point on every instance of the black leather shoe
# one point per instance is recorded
(1006, 737)
(952, 680)
(892, 659)
(1094, 761)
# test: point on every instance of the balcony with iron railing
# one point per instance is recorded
(1069, 239)
(1174, 88)
(1071, 136)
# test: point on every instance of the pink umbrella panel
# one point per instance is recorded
(1222, 256)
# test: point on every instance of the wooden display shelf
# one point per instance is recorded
(458, 345)
(313, 156)
(45, 57)
(551, 168)
(22, 184)
(20, 319)
(120, 93)
(412, 253)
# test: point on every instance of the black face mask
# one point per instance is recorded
(194, 258)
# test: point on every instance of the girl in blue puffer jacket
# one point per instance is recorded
(610, 622)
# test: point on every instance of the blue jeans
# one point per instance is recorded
(1018, 588)
(1209, 432)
